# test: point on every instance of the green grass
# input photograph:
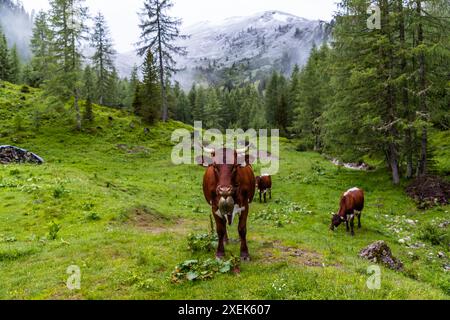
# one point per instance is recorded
(125, 213)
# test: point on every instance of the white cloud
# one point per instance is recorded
(123, 20)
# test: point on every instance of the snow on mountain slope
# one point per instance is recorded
(243, 48)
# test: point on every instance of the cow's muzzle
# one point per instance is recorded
(226, 208)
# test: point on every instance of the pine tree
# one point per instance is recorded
(272, 99)
(159, 31)
(212, 109)
(14, 66)
(41, 48)
(67, 24)
(88, 93)
(4, 58)
(147, 99)
(103, 58)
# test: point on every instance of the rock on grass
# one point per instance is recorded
(379, 252)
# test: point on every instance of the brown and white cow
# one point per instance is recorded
(229, 188)
(264, 185)
(351, 205)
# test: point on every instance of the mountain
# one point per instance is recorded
(243, 49)
(17, 26)
(248, 48)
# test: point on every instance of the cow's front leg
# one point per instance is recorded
(265, 196)
(260, 197)
(352, 224)
(245, 256)
(346, 224)
(221, 227)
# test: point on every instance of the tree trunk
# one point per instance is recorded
(393, 162)
(165, 113)
(387, 67)
(422, 170)
(405, 96)
(77, 110)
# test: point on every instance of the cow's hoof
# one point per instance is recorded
(245, 257)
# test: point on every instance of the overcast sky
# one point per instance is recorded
(122, 14)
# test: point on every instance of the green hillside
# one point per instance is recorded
(124, 213)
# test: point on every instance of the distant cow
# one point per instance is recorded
(229, 188)
(264, 185)
(352, 203)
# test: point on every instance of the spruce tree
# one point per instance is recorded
(67, 19)
(103, 59)
(4, 58)
(88, 93)
(159, 32)
(40, 44)
(14, 66)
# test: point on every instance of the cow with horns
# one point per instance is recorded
(229, 187)
(351, 205)
(264, 185)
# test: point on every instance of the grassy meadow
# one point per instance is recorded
(110, 201)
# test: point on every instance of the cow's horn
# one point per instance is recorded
(243, 150)
(208, 150)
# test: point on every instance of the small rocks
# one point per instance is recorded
(410, 222)
(354, 166)
(447, 267)
(441, 255)
(417, 245)
(10, 154)
(444, 224)
(404, 240)
(379, 252)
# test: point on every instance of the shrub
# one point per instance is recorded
(433, 235)
(206, 242)
(25, 89)
(92, 216)
(193, 270)
(53, 230)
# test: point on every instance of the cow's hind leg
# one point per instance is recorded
(265, 196)
(260, 196)
(359, 219)
(221, 233)
(245, 256)
(270, 193)
(346, 224)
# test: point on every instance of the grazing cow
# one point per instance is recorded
(352, 203)
(229, 188)
(264, 185)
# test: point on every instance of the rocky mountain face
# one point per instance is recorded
(243, 49)
(247, 49)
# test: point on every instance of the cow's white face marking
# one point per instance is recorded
(351, 190)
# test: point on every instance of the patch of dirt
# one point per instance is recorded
(429, 191)
(133, 150)
(154, 222)
(276, 252)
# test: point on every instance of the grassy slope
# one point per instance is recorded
(124, 255)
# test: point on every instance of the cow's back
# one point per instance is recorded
(353, 199)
